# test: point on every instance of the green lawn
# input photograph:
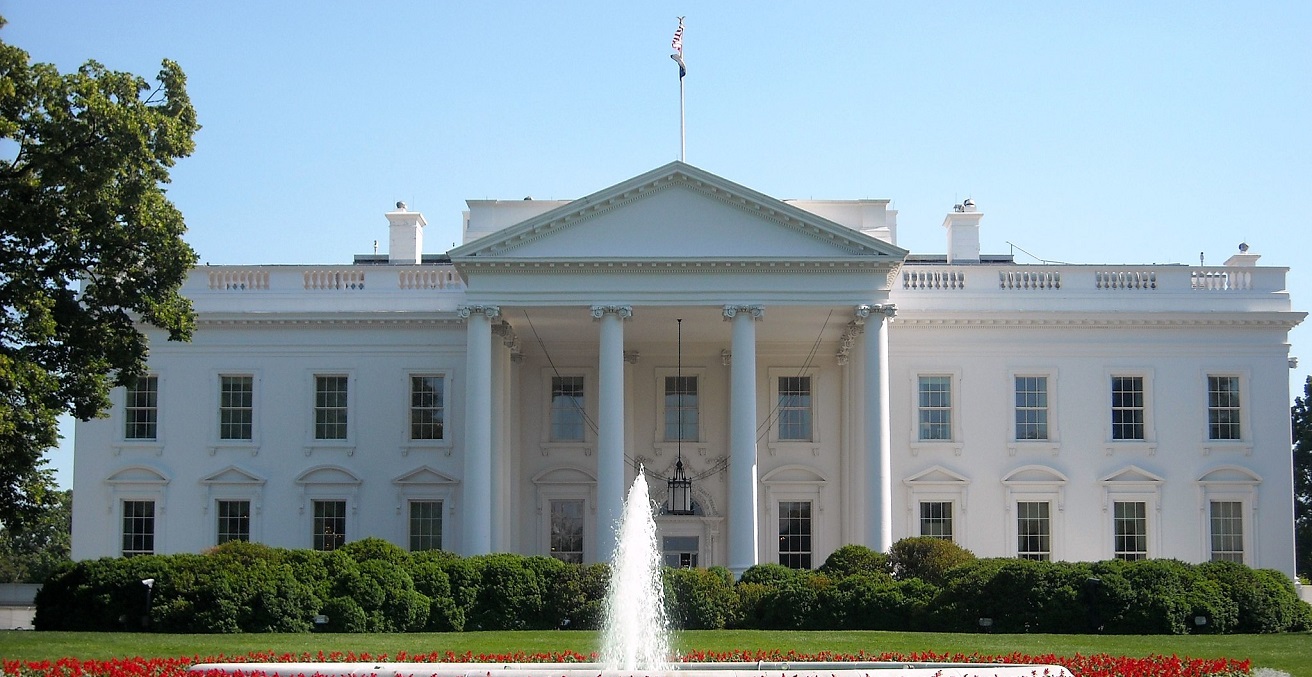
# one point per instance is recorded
(1290, 653)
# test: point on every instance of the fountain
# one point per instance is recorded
(636, 635)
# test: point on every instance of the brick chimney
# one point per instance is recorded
(962, 224)
(406, 230)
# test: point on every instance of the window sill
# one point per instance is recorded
(150, 446)
(328, 445)
(793, 447)
(672, 448)
(252, 448)
(945, 445)
(1130, 447)
(549, 447)
(1034, 447)
(1227, 446)
(421, 446)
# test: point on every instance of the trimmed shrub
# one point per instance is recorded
(345, 615)
(851, 560)
(926, 558)
(580, 596)
(874, 601)
(698, 599)
(510, 596)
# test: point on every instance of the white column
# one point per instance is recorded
(610, 425)
(476, 487)
(742, 438)
(879, 446)
(500, 484)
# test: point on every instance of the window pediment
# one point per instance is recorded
(327, 474)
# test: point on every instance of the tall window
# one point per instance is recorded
(1223, 408)
(795, 409)
(680, 551)
(567, 530)
(681, 408)
(425, 525)
(1127, 408)
(935, 407)
(236, 407)
(795, 534)
(1031, 407)
(427, 407)
(234, 521)
(1130, 526)
(141, 413)
(936, 519)
(138, 528)
(1033, 530)
(567, 419)
(330, 407)
(329, 525)
(1227, 531)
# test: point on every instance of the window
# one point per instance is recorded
(681, 413)
(427, 407)
(795, 410)
(425, 525)
(1223, 408)
(1033, 530)
(329, 525)
(1130, 526)
(141, 410)
(1127, 408)
(330, 407)
(567, 414)
(1031, 407)
(936, 519)
(236, 407)
(795, 533)
(935, 407)
(138, 528)
(1227, 531)
(680, 551)
(567, 530)
(234, 521)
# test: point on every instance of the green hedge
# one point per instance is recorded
(374, 586)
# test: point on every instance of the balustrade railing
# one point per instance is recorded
(1027, 279)
(238, 280)
(933, 279)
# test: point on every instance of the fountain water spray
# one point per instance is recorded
(636, 631)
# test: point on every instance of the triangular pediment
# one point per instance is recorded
(424, 475)
(936, 475)
(232, 475)
(677, 212)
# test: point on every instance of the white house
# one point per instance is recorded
(823, 387)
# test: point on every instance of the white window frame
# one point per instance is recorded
(217, 443)
(955, 444)
(796, 482)
(937, 484)
(1037, 484)
(122, 442)
(699, 444)
(1133, 483)
(347, 518)
(327, 483)
(442, 513)
(1146, 445)
(427, 484)
(1051, 445)
(563, 483)
(233, 484)
(773, 444)
(138, 483)
(409, 444)
(154, 526)
(1244, 444)
(348, 445)
(250, 525)
(590, 395)
(1234, 484)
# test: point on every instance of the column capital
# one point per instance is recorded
(465, 310)
(624, 312)
(881, 311)
(756, 311)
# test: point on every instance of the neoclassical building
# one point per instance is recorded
(816, 385)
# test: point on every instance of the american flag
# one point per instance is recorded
(677, 42)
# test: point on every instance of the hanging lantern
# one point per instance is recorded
(680, 492)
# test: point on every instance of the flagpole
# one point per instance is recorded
(677, 44)
(683, 138)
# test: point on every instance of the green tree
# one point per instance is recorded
(30, 554)
(90, 248)
(1302, 434)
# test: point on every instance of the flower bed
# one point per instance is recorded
(1094, 665)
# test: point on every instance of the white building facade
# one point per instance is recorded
(819, 385)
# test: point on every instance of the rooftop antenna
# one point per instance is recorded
(677, 44)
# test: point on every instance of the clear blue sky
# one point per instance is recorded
(1097, 132)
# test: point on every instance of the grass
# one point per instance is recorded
(1291, 653)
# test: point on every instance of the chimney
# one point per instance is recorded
(963, 233)
(406, 228)
(1243, 258)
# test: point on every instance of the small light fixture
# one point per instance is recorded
(680, 486)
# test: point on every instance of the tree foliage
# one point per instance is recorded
(30, 554)
(1302, 435)
(89, 247)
